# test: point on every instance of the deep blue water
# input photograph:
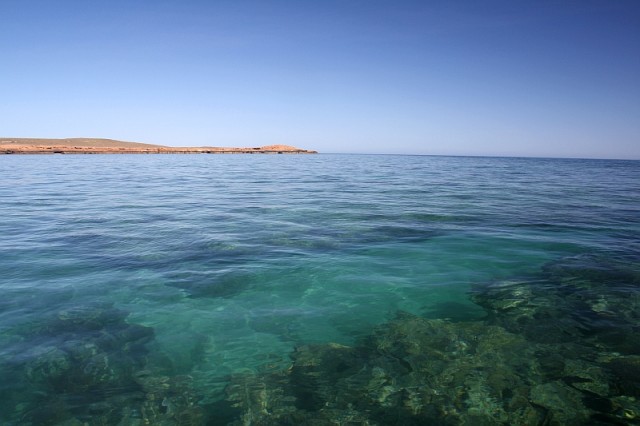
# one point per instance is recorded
(197, 289)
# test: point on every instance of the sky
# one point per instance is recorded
(508, 78)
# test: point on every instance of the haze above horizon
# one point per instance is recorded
(494, 78)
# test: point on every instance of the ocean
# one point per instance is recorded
(318, 289)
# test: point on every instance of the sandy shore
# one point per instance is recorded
(110, 146)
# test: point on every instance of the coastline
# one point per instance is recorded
(109, 146)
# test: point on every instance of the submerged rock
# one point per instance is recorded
(625, 371)
(583, 300)
(86, 318)
(76, 362)
(563, 404)
(559, 349)
(410, 371)
(47, 364)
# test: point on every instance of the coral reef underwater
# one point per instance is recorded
(560, 348)
(85, 365)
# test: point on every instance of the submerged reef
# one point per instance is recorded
(559, 349)
(85, 365)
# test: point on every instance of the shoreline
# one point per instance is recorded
(77, 150)
(11, 146)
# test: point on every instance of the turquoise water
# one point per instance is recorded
(318, 289)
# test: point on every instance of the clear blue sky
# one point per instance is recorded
(532, 78)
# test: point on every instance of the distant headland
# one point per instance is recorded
(110, 146)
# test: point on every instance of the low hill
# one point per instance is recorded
(110, 146)
(83, 142)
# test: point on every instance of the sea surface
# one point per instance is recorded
(318, 289)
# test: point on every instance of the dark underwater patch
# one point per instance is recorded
(86, 365)
(395, 233)
(210, 284)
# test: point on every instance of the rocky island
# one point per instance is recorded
(110, 146)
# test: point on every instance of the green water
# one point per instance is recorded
(328, 289)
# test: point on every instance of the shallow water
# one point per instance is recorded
(168, 288)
